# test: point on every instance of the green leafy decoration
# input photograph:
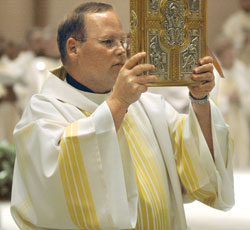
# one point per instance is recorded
(7, 160)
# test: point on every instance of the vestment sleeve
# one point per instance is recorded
(71, 172)
(202, 177)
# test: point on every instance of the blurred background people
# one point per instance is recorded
(50, 59)
(233, 99)
(36, 73)
(237, 28)
(23, 70)
(9, 115)
(33, 47)
(8, 110)
(2, 45)
(34, 40)
(43, 47)
(11, 51)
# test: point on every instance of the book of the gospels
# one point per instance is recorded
(173, 33)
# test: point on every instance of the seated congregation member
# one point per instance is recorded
(95, 151)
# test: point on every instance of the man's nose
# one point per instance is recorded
(120, 50)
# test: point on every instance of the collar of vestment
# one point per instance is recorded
(98, 98)
(76, 84)
(56, 86)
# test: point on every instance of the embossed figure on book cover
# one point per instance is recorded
(174, 35)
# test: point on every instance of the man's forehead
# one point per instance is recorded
(102, 14)
(101, 17)
(103, 23)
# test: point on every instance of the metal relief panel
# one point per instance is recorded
(157, 56)
(173, 33)
(189, 57)
(153, 6)
(194, 6)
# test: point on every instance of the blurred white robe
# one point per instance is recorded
(237, 28)
(9, 113)
(74, 171)
(233, 100)
(178, 97)
(33, 77)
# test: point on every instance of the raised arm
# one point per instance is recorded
(205, 77)
(129, 86)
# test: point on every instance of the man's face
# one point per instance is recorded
(102, 55)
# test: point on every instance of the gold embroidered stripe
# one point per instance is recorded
(146, 197)
(152, 203)
(75, 183)
(91, 215)
(87, 114)
(145, 179)
(187, 172)
(65, 182)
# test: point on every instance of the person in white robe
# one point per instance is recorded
(233, 100)
(95, 151)
(9, 113)
(14, 65)
(46, 56)
(237, 28)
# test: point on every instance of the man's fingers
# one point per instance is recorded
(143, 80)
(206, 60)
(204, 68)
(142, 69)
(204, 87)
(203, 77)
(134, 60)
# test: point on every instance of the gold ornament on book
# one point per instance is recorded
(174, 35)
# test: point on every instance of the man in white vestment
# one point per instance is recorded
(95, 151)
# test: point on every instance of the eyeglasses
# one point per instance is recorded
(110, 43)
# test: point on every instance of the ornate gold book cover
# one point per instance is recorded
(174, 35)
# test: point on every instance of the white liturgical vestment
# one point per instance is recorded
(75, 171)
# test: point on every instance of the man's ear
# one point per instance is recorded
(72, 48)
